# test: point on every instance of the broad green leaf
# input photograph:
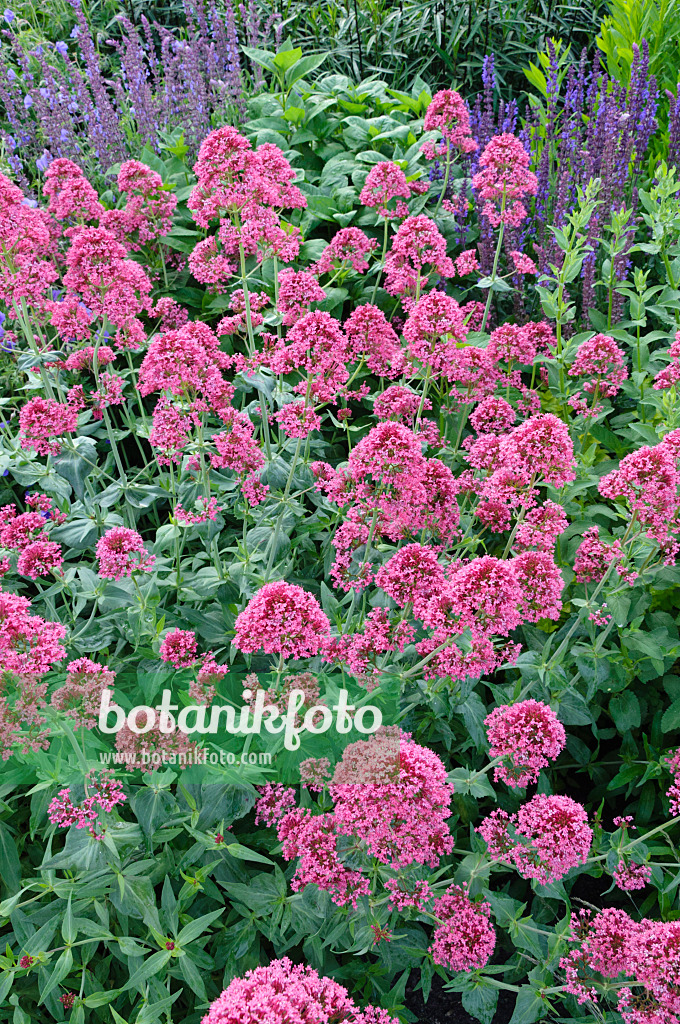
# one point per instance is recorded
(285, 59)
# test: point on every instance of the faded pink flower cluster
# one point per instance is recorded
(390, 800)
(80, 696)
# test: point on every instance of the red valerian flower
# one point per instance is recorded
(282, 619)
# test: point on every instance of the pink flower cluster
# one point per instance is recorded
(295, 994)
(505, 180)
(610, 944)
(527, 736)
(384, 182)
(594, 557)
(245, 190)
(151, 750)
(448, 114)
(393, 796)
(148, 210)
(602, 363)
(27, 533)
(360, 650)
(104, 792)
(405, 894)
(417, 246)
(435, 330)
(179, 647)
(26, 239)
(109, 285)
(465, 938)
(297, 291)
(391, 800)
(348, 247)
(71, 197)
(393, 488)
(372, 338)
(544, 839)
(238, 451)
(489, 597)
(648, 480)
(670, 374)
(29, 645)
(316, 347)
(283, 619)
(41, 420)
(121, 552)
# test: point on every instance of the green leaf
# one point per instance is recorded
(481, 1002)
(243, 853)
(475, 783)
(76, 466)
(153, 965)
(261, 896)
(195, 928)
(303, 67)
(529, 1006)
(285, 59)
(10, 868)
(192, 976)
(625, 710)
(58, 973)
(6, 979)
(505, 909)
(69, 930)
(101, 998)
(152, 807)
(130, 947)
(671, 717)
(262, 57)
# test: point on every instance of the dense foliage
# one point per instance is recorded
(372, 390)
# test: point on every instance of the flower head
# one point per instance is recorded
(417, 245)
(504, 180)
(80, 695)
(179, 648)
(551, 836)
(465, 938)
(448, 114)
(121, 552)
(384, 182)
(283, 991)
(282, 619)
(602, 363)
(527, 736)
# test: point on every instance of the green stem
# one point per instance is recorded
(246, 300)
(446, 179)
(494, 269)
(382, 259)
(277, 529)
